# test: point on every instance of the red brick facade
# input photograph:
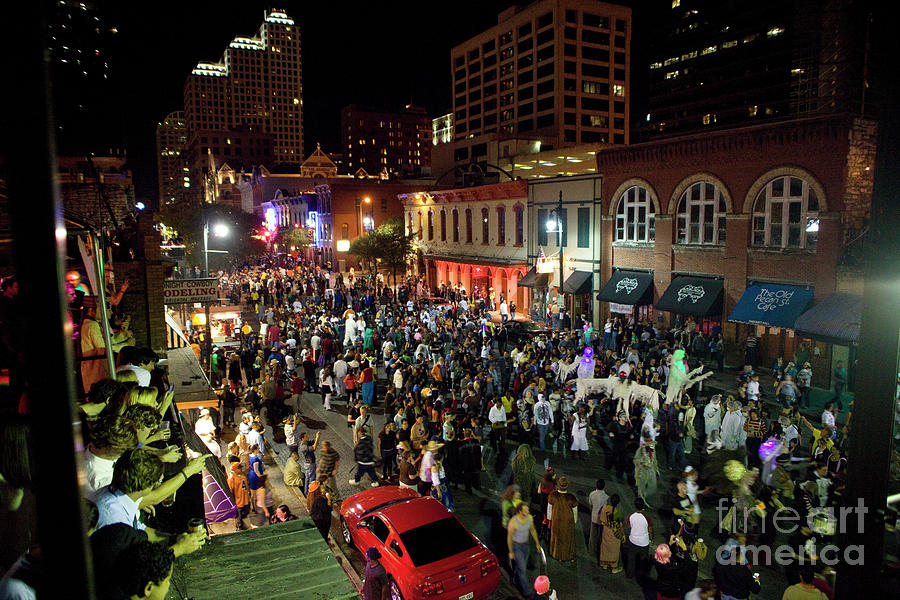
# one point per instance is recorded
(830, 154)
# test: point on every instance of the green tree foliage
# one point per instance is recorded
(388, 245)
(299, 238)
(187, 218)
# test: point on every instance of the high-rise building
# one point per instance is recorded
(255, 87)
(172, 171)
(718, 63)
(86, 111)
(442, 129)
(398, 142)
(556, 71)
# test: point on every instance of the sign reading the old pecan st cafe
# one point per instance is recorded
(189, 291)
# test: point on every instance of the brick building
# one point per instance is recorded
(473, 236)
(697, 225)
(396, 142)
(80, 188)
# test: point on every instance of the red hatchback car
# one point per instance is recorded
(426, 551)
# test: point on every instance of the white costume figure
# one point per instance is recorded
(732, 426)
(579, 433)
(648, 426)
(679, 379)
(585, 367)
(583, 387)
(712, 415)
(564, 369)
(349, 330)
(646, 395)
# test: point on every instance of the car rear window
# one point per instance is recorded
(436, 541)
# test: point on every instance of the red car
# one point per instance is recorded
(426, 551)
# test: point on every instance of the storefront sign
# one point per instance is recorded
(771, 299)
(544, 266)
(189, 291)
(691, 292)
(627, 284)
(620, 309)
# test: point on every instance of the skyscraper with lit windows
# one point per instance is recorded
(255, 87)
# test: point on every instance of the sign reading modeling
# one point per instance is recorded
(188, 291)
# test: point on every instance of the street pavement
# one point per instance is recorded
(480, 512)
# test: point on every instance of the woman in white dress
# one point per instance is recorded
(579, 423)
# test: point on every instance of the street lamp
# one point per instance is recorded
(557, 224)
(367, 225)
(219, 230)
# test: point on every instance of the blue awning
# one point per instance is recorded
(772, 305)
(835, 319)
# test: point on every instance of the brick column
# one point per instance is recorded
(607, 235)
(662, 263)
(735, 271)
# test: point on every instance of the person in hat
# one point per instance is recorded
(563, 508)
(425, 469)
(206, 431)
(375, 583)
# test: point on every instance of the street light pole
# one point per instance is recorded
(206, 248)
(559, 227)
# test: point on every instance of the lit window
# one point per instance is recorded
(786, 214)
(618, 90)
(635, 218)
(656, 65)
(775, 31)
(753, 110)
(701, 215)
(708, 50)
(671, 74)
(730, 44)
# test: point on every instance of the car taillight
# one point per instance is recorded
(431, 588)
(489, 566)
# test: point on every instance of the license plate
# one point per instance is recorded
(468, 596)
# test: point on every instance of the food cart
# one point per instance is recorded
(224, 324)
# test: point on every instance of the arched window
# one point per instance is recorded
(786, 214)
(455, 226)
(420, 225)
(701, 215)
(430, 225)
(520, 225)
(410, 230)
(634, 216)
(468, 225)
(345, 230)
(501, 225)
(443, 225)
(485, 225)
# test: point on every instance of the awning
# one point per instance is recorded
(697, 296)
(533, 279)
(772, 305)
(835, 319)
(627, 287)
(579, 282)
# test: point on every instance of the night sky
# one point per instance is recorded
(382, 53)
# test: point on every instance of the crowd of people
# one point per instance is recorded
(436, 392)
(458, 396)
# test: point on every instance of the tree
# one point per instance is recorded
(395, 245)
(298, 238)
(365, 249)
(188, 218)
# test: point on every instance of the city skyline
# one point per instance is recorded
(341, 66)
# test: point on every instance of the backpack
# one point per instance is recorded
(543, 412)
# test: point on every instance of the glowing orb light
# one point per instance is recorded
(770, 449)
(588, 352)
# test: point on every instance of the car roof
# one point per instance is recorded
(415, 512)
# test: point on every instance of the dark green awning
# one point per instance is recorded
(627, 287)
(533, 279)
(579, 283)
(697, 296)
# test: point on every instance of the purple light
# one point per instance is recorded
(770, 449)
(588, 352)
